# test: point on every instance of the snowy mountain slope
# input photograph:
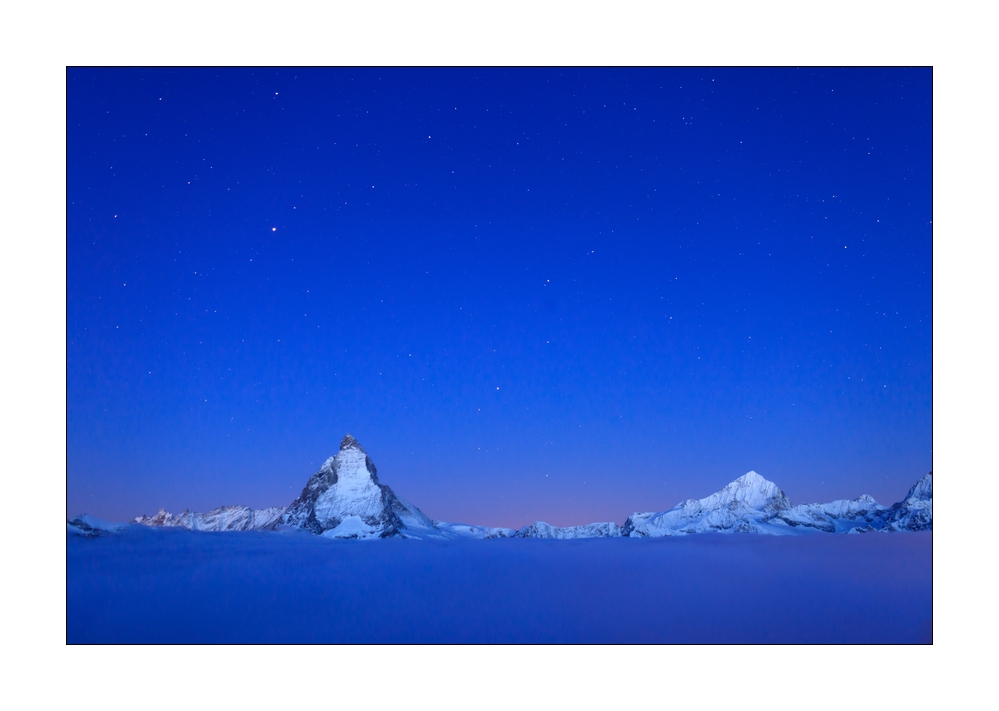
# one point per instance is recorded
(751, 504)
(836, 516)
(224, 518)
(915, 511)
(744, 506)
(540, 529)
(464, 530)
(91, 526)
(344, 499)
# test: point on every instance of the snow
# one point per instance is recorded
(90, 526)
(352, 527)
(750, 490)
(743, 506)
(224, 518)
(838, 516)
(915, 512)
(414, 521)
(354, 494)
(540, 529)
(464, 530)
(170, 585)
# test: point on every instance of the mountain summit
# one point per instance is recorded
(349, 441)
(743, 506)
(915, 511)
(344, 499)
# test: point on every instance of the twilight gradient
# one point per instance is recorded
(530, 293)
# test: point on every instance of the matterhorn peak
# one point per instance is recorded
(348, 442)
(344, 499)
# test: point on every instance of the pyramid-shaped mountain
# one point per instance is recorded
(344, 499)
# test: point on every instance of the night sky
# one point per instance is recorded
(530, 294)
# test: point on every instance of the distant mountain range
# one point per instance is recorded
(344, 499)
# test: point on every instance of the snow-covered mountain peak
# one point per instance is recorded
(922, 490)
(915, 512)
(743, 506)
(750, 478)
(344, 499)
(752, 490)
(354, 464)
(348, 442)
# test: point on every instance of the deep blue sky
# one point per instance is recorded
(530, 293)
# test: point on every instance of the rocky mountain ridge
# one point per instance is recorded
(224, 518)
